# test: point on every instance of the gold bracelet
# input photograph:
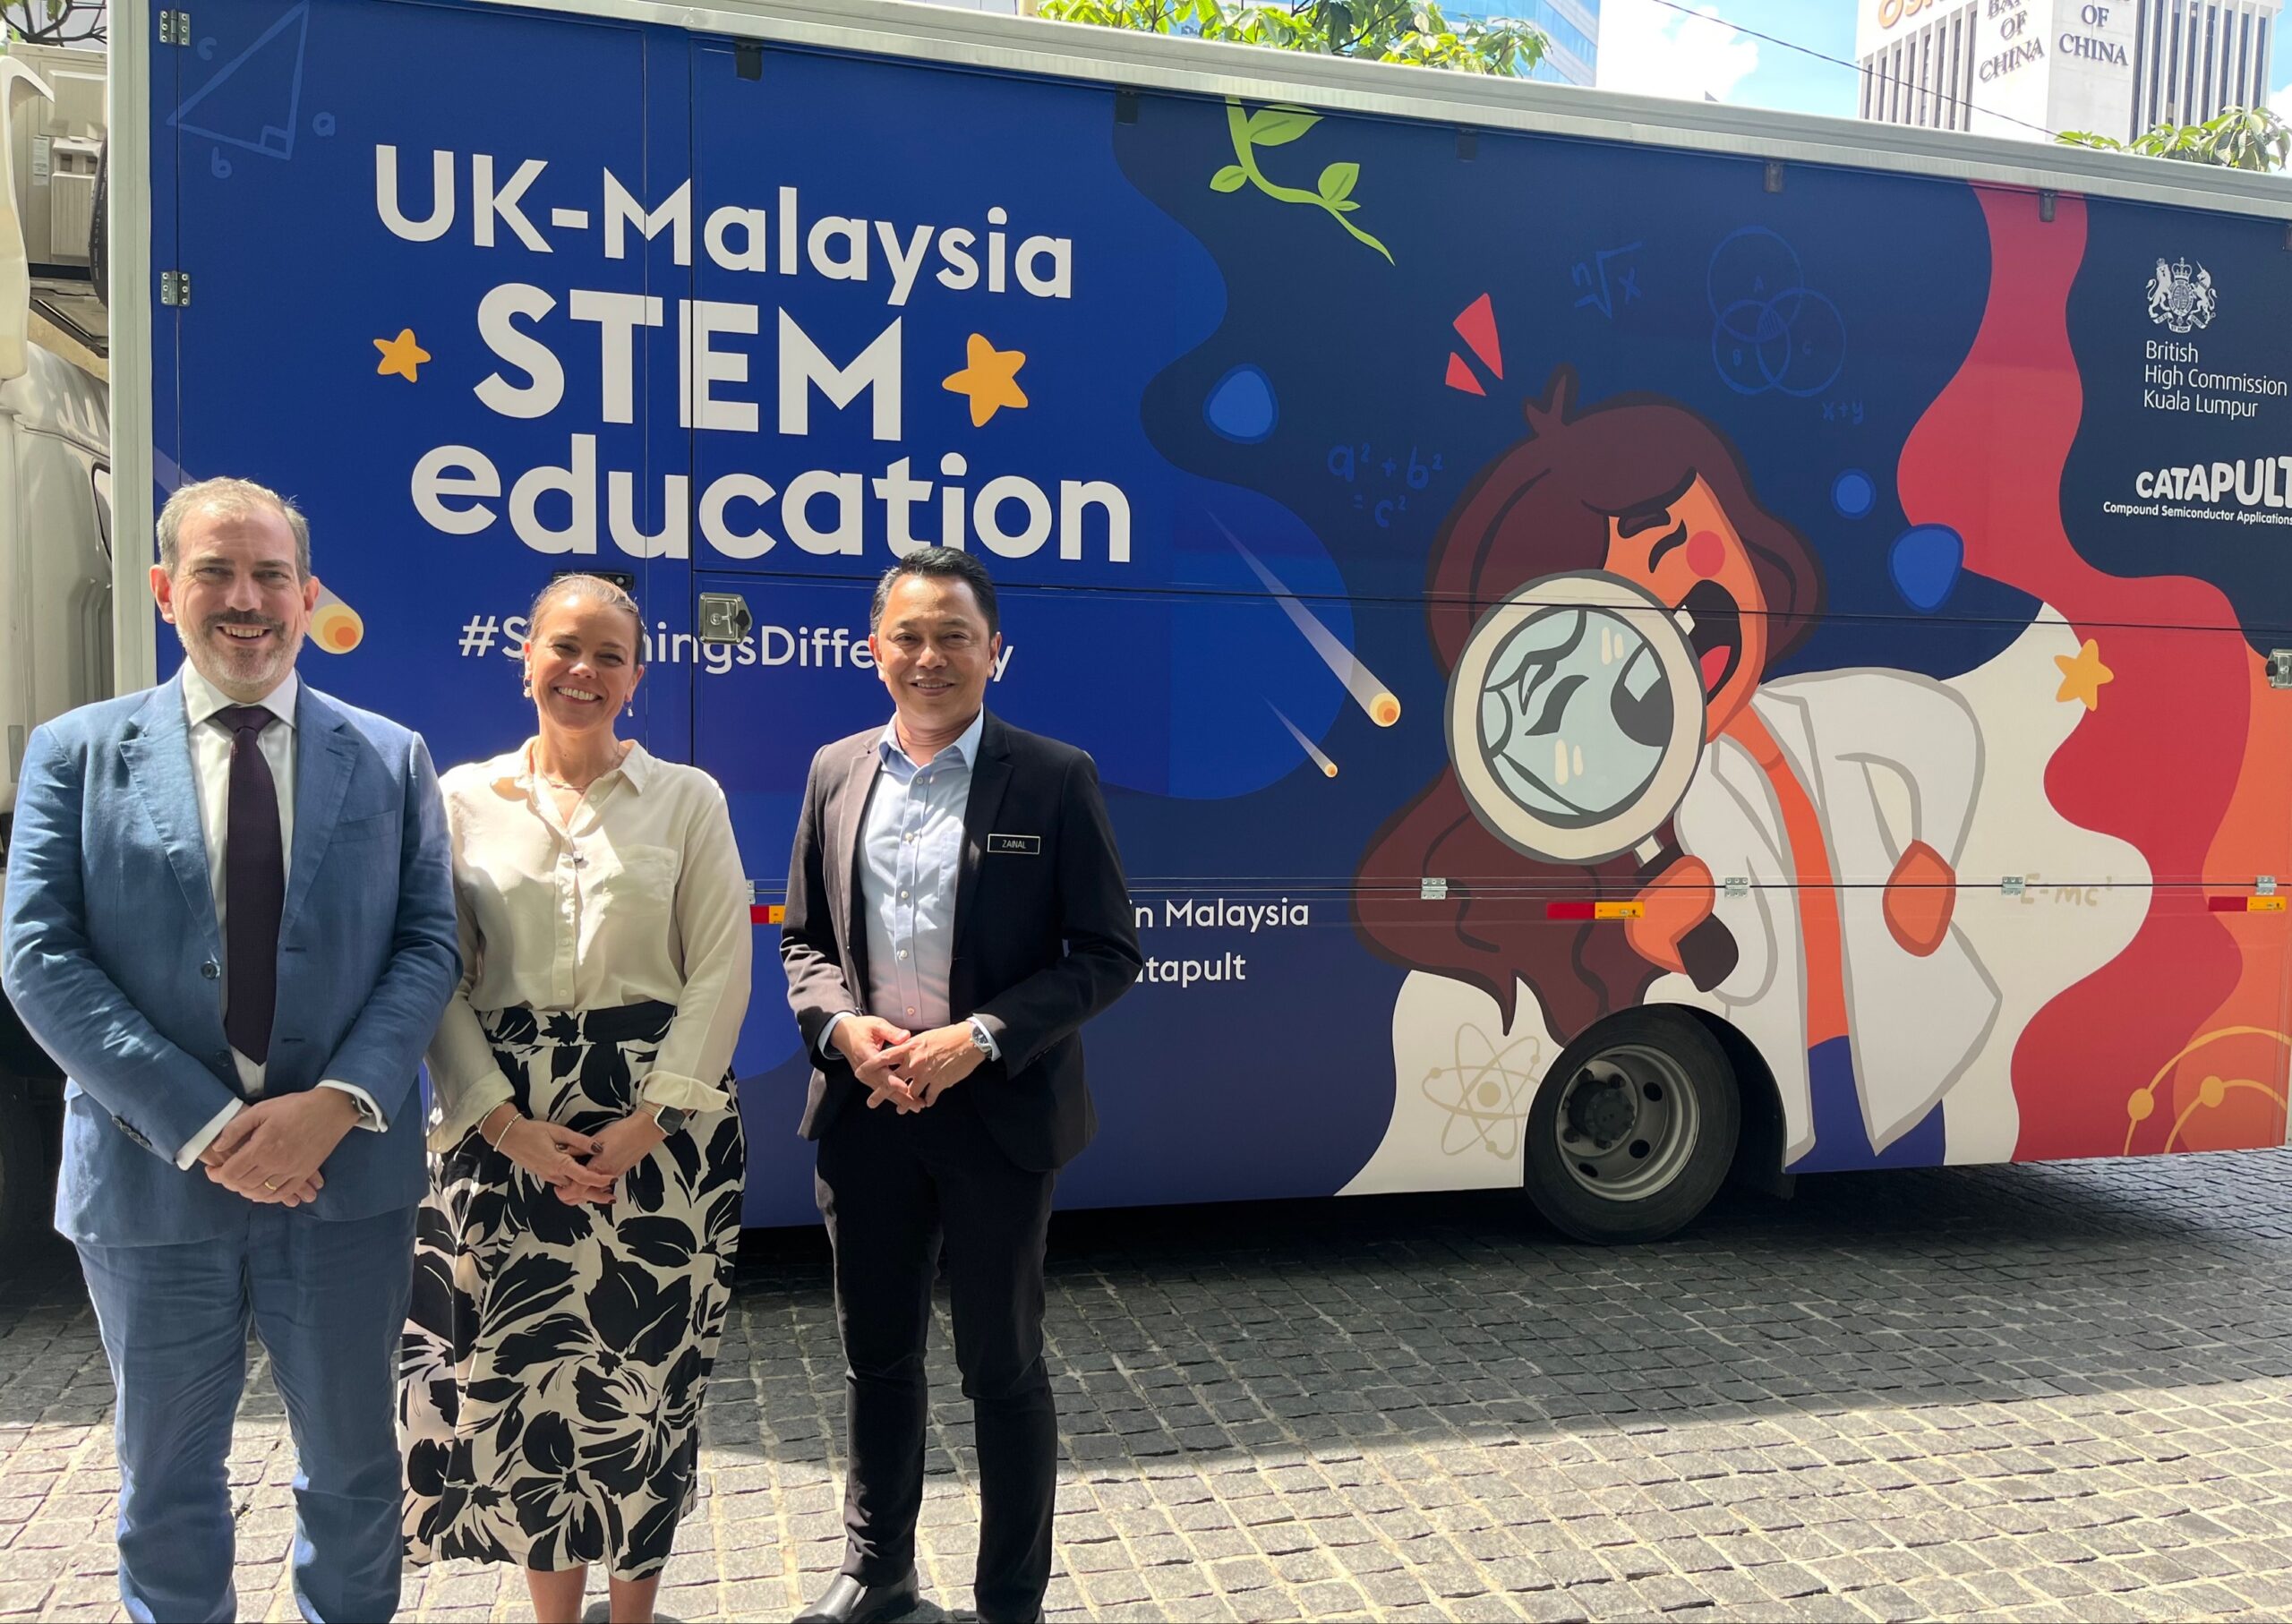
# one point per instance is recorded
(495, 1142)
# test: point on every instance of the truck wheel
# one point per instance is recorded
(24, 1187)
(1633, 1129)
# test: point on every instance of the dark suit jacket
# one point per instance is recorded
(1044, 939)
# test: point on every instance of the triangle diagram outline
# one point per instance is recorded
(284, 147)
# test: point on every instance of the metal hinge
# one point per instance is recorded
(175, 28)
(1431, 890)
(2265, 886)
(2013, 884)
(1736, 884)
(174, 288)
(2279, 668)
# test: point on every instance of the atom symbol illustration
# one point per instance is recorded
(1482, 1093)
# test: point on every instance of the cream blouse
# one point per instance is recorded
(641, 896)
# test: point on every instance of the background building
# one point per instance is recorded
(2028, 67)
(1572, 26)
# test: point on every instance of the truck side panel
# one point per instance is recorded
(1959, 510)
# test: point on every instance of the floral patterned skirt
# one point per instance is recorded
(551, 1376)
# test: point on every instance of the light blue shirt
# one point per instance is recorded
(910, 855)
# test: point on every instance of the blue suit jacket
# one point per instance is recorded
(110, 950)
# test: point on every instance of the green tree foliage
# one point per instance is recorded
(53, 21)
(2238, 137)
(1375, 30)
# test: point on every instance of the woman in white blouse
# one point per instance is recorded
(575, 1254)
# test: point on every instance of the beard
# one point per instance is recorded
(243, 673)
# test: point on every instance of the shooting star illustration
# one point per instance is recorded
(1372, 696)
(335, 626)
(1320, 756)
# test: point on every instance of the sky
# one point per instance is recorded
(1656, 49)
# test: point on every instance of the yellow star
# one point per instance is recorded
(401, 355)
(2083, 674)
(990, 377)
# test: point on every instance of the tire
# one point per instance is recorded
(1633, 1129)
(24, 1181)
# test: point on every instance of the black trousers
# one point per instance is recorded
(892, 1189)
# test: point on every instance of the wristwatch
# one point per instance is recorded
(670, 1120)
(978, 1038)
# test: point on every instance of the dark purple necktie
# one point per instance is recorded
(254, 886)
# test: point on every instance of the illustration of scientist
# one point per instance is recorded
(1608, 598)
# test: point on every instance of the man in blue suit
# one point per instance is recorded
(230, 919)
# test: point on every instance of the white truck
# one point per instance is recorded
(56, 599)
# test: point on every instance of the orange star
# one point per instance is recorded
(2083, 674)
(401, 355)
(990, 377)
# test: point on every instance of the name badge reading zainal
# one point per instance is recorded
(1019, 845)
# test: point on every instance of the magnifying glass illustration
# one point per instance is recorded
(1575, 722)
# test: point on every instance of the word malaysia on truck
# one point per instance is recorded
(822, 512)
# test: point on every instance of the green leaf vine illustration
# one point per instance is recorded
(1278, 126)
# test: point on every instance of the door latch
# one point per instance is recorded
(725, 617)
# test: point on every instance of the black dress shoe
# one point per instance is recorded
(849, 1602)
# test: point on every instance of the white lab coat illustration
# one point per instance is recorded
(1888, 758)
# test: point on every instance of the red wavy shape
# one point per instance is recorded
(2157, 763)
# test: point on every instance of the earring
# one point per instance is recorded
(529, 685)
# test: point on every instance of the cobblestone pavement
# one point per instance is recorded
(2056, 1392)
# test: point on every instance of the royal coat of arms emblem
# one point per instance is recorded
(2180, 298)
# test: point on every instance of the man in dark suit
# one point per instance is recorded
(956, 911)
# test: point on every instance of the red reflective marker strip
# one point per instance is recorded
(759, 914)
(2245, 905)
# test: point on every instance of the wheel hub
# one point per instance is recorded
(1602, 1109)
(1628, 1123)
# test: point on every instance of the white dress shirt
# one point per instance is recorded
(639, 897)
(211, 766)
(911, 859)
